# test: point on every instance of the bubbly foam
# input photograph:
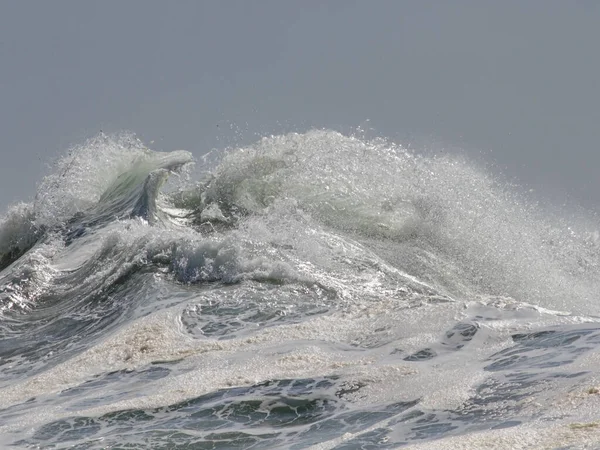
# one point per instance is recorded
(394, 296)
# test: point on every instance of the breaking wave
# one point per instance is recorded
(314, 288)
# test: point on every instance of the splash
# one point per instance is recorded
(312, 289)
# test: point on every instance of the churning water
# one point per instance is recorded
(310, 291)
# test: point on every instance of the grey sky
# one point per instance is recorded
(516, 81)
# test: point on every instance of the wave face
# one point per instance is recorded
(310, 291)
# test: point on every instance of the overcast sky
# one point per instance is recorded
(515, 81)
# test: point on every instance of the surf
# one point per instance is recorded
(311, 288)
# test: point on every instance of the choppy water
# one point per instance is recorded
(310, 291)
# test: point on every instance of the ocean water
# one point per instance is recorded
(312, 290)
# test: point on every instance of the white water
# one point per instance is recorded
(383, 276)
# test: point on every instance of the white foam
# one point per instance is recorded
(396, 248)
